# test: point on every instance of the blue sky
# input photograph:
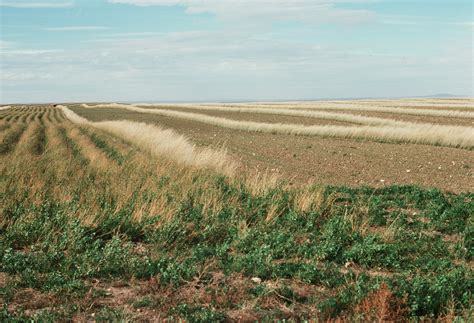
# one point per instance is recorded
(222, 50)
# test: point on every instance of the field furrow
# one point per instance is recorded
(40, 117)
(303, 159)
(48, 116)
(461, 105)
(164, 143)
(38, 142)
(450, 136)
(23, 146)
(11, 138)
(336, 117)
(58, 115)
(368, 108)
(96, 157)
(72, 146)
(9, 117)
(272, 117)
(28, 117)
(101, 143)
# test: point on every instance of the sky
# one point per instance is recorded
(229, 50)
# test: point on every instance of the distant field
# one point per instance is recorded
(427, 143)
(349, 210)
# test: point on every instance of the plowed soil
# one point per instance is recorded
(302, 160)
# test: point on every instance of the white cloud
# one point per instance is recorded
(24, 76)
(36, 4)
(76, 28)
(260, 11)
(29, 52)
(225, 65)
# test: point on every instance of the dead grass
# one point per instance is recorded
(349, 118)
(160, 142)
(369, 108)
(449, 136)
(381, 306)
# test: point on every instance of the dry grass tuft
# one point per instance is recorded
(381, 306)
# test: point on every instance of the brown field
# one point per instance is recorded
(323, 160)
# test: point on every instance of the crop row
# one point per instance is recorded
(450, 136)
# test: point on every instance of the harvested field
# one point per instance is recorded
(109, 214)
(334, 161)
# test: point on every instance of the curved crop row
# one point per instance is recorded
(72, 147)
(38, 143)
(324, 115)
(11, 139)
(160, 142)
(366, 108)
(458, 104)
(450, 136)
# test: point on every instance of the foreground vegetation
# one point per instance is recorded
(91, 227)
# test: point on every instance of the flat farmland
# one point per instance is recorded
(303, 159)
(237, 212)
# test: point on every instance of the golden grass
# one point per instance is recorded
(449, 136)
(140, 173)
(350, 118)
(367, 108)
(160, 142)
(96, 157)
(465, 103)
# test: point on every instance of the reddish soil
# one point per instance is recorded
(301, 159)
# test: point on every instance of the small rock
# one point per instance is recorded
(349, 264)
(408, 170)
(256, 280)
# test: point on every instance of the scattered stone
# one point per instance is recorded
(349, 264)
(256, 280)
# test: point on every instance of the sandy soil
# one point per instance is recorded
(302, 160)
